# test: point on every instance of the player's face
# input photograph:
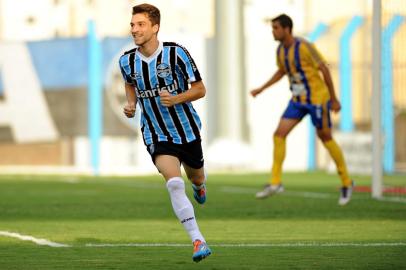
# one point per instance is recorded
(279, 33)
(142, 29)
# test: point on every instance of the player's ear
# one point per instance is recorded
(155, 28)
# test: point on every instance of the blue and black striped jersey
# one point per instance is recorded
(170, 68)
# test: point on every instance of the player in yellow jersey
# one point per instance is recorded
(312, 93)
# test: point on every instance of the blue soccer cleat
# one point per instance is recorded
(199, 193)
(200, 251)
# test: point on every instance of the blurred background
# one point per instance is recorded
(61, 93)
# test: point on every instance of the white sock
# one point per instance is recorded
(183, 208)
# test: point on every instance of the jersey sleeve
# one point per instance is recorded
(314, 55)
(278, 57)
(187, 65)
(123, 67)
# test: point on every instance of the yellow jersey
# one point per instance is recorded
(301, 63)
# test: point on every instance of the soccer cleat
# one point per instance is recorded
(345, 194)
(200, 251)
(269, 190)
(199, 193)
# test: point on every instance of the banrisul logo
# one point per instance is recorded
(163, 70)
(154, 92)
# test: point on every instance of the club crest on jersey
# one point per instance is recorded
(135, 76)
(163, 70)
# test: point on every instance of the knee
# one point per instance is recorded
(324, 137)
(197, 176)
(279, 134)
(174, 184)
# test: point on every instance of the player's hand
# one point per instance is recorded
(255, 92)
(167, 99)
(129, 110)
(335, 105)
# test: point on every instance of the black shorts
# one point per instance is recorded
(189, 153)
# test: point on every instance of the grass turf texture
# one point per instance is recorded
(111, 210)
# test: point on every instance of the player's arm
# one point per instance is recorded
(335, 104)
(275, 78)
(129, 108)
(196, 91)
(187, 66)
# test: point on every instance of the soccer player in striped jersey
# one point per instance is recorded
(312, 94)
(162, 79)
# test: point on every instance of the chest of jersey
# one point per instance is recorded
(152, 77)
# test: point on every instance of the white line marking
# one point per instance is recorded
(138, 245)
(305, 194)
(313, 244)
(239, 190)
(45, 242)
(38, 241)
(71, 180)
(392, 199)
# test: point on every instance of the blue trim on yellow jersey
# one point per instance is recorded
(320, 29)
(286, 54)
(287, 66)
(300, 70)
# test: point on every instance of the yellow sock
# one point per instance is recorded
(279, 149)
(338, 157)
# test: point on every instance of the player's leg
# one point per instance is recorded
(337, 155)
(290, 118)
(198, 179)
(191, 155)
(169, 167)
(285, 126)
(196, 176)
(323, 128)
(274, 185)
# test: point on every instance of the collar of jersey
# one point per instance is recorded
(152, 56)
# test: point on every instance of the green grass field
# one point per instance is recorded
(104, 220)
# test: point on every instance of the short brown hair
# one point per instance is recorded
(285, 21)
(154, 15)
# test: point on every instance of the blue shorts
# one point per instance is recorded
(320, 114)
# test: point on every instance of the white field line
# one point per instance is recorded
(305, 194)
(38, 241)
(241, 190)
(45, 242)
(393, 199)
(312, 244)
